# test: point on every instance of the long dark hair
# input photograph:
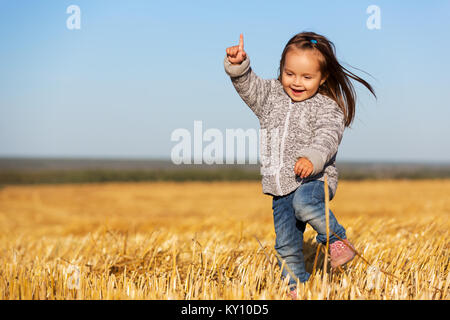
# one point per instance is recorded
(338, 85)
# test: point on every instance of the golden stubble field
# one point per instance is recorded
(199, 240)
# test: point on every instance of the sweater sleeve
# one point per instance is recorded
(251, 88)
(328, 133)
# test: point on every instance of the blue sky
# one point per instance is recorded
(138, 70)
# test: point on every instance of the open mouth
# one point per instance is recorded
(297, 92)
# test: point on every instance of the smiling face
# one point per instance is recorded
(301, 76)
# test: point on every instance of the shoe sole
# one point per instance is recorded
(342, 261)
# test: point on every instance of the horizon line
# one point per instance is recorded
(167, 159)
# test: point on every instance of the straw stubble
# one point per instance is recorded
(134, 241)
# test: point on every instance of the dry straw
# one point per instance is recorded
(319, 247)
(115, 241)
(368, 264)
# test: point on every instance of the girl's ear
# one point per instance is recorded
(323, 80)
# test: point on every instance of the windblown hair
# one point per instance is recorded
(338, 85)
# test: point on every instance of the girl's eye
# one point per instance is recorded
(307, 77)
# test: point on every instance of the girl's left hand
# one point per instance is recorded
(303, 167)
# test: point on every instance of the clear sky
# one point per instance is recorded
(138, 70)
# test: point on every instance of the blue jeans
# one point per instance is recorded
(291, 213)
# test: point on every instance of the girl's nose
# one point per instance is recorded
(297, 82)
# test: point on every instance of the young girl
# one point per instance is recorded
(302, 115)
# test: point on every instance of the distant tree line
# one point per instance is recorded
(225, 174)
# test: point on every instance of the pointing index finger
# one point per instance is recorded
(241, 42)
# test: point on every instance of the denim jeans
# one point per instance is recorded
(291, 213)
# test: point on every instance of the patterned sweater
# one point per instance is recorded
(312, 128)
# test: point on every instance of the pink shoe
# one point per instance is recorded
(340, 253)
(293, 294)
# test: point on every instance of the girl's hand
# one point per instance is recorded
(303, 167)
(236, 54)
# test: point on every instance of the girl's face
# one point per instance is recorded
(301, 76)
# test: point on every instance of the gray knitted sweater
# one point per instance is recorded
(312, 128)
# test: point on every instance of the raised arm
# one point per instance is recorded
(251, 88)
